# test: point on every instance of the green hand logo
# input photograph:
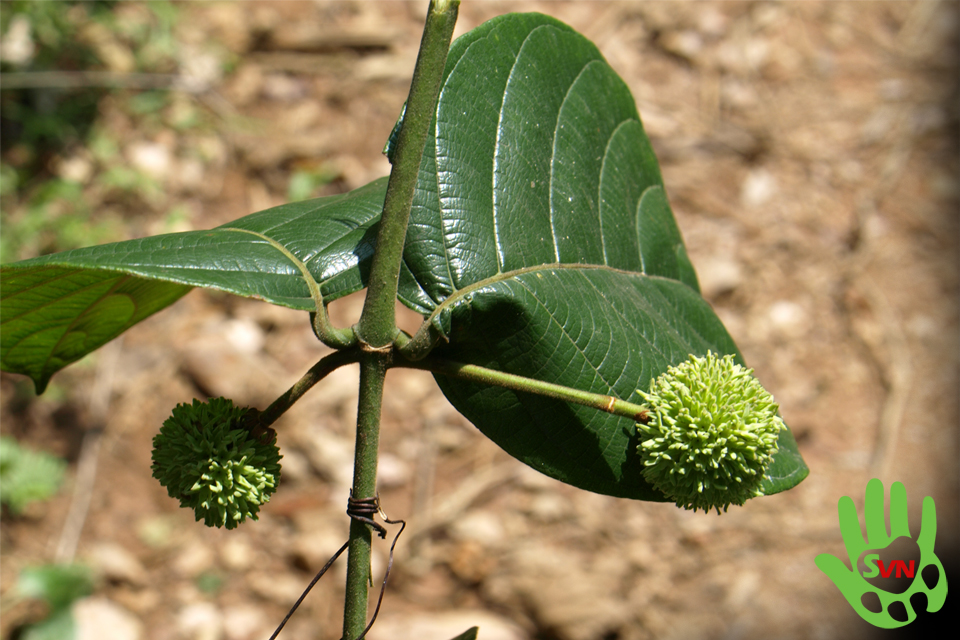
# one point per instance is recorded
(853, 585)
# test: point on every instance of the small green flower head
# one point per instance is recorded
(711, 433)
(208, 458)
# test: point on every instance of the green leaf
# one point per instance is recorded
(56, 584)
(469, 634)
(60, 307)
(59, 625)
(27, 476)
(538, 156)
(542, 242)
(538, 178)
(591, 328)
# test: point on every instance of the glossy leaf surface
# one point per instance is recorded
(543, 244)
(60, 307)
(606, 331)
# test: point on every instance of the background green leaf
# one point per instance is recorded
(27, 476)
(56, 584)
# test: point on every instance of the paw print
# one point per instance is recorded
(859, 592)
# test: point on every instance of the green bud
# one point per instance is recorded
(207, 457)
(711, 433)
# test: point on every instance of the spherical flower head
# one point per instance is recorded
(208, 458)
(711, 432)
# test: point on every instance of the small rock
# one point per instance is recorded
(300, 117)
(223, 365)
(283, 589)
(245, 622)
(245, 84)
(314, 548)
(685, 44)
(17, 47)
(532, 480)
(759, 187)
(97, 618)
(392, 472)
(878, 125)
(738, 94)
(193, 559)
(550, 507)
(75, 169)
(244, 335)
(575, 595)
(283, 88)
(152, 158)
(295, 466)
(711, 22)
(451, 437)
(418, 626)
(190, 175)
(787, 317)
(330, 455)
(743, 589)
(719, 275)
(199, 69)
(236, 554)
(200, 621)
(116, 563)
(578, 606)
(484, 527)
(231, 25)
(743, 57)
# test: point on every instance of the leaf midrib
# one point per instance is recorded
(460, 294)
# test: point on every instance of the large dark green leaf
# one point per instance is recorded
(538, 157)
(591, 328)
(60, 307)
(542, 241)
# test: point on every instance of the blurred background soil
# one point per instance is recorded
(810, 151)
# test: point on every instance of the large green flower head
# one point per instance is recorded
(711, 432)
(208, 457)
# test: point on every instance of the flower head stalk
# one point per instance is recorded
(711, 433)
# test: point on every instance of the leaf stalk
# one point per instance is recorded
(315, 374)
(475, 373)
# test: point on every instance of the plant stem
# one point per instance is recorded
(315, 374)
(373, 369)
(483, 375)
(377, 326)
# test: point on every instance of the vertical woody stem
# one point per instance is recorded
(378, 327)
(372, 372)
